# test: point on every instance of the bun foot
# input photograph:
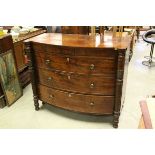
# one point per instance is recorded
(36, 108)
(116, 119)
(115, 125)
(43, 103)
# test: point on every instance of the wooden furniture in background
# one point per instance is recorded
(101, 30)
(75, 29)
(93, 30)
(117, 30)
(131, 30)
(21, 58)
(79, 73)
(132, 33)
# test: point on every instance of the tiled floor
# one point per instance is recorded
(140, 83)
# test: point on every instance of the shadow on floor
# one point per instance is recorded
(76, 115)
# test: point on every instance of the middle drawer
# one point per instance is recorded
(87, 84)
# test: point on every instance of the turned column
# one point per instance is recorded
(118, 88)
(31, 61)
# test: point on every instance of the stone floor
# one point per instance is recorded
(140, 84)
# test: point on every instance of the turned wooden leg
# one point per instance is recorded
(36, 103)
(43, 103)
(28, 50)
(116, 119)
(138, 32)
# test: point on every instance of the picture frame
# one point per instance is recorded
(9, 78)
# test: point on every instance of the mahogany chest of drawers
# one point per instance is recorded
(75, 73)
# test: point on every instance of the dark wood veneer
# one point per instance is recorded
(98, 105)
(96, 84)
(77, 64)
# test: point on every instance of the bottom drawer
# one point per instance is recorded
(92, 104)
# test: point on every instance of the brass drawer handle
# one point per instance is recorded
(47, 61)
(49, 78)
(68, 59)
(92, 104)
(92, 85)
(69, 77)
(70, 95)
(92, 66)
(51, 96)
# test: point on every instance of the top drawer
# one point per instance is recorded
(77, 64)
(74, 51)
(53, 49)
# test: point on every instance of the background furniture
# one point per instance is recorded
(147, 37)
(79, 73)
(12, 94)
(75, 29)
(21, 57)
(132, 32)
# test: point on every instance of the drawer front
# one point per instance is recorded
(77, 102)
(95, 84)
(96, 52)
(52, 49)
(77, 64)
(61, 50)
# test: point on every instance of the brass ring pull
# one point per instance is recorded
(47, 61)
(92, 85)
(69, 77)
(51, 96)
(49, 78)
(92, 104)
(68, 60)
(70, 95)
(92, 66)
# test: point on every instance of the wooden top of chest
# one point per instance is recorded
(86, 41)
